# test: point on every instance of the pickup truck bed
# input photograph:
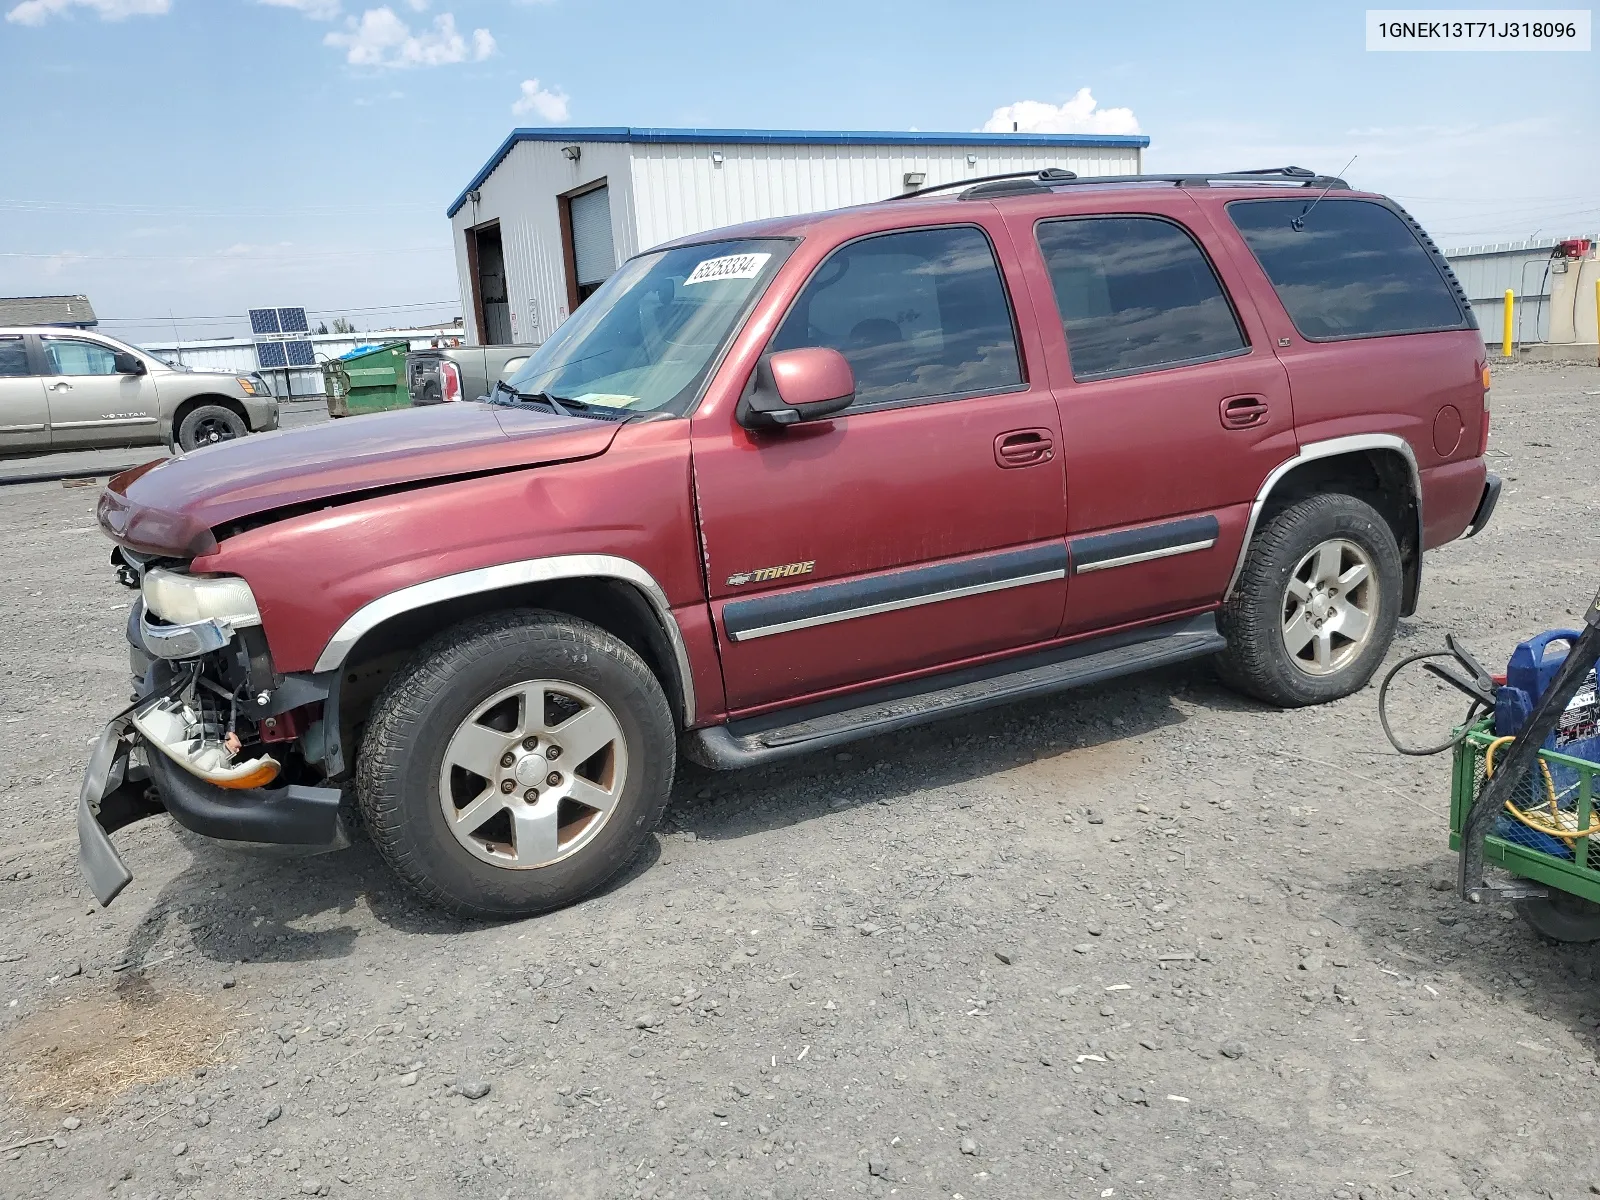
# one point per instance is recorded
(480, 366)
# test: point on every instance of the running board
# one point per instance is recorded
(750, 742)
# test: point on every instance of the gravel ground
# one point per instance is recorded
(1144, 940)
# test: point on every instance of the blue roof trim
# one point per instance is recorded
(789, 137)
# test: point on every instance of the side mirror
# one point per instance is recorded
(128, 364)
(791, 386)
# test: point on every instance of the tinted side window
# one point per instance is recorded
(918, 314)
(1135, 294)
(13, 357)
(68, 357)
(1353, 270)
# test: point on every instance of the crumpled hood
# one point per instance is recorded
(170, 507)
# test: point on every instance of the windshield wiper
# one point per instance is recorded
(561, 406)
(558, 405)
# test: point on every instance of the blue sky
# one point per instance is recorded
(197, 157)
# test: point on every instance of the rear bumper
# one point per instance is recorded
(1486, 504)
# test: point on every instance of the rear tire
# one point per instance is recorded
(458, 784)
(208, 425)
(1315, 609)
(1563, 917)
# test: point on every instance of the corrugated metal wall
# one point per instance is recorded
(661, 191)
(680, 189)
(521, 195)
(1487, 271)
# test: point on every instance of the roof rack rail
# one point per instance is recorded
(1012, 182)
(1298, 176)
(1048, 175)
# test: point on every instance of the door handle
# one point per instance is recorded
(60, 387)
(1244, 412)
(1024, 447)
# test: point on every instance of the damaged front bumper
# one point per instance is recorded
(145, 762)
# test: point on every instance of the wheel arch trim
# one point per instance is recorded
(1331, 448)
(506, 575)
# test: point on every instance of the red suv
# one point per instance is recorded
(805, 480)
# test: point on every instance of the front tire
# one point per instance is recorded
(518, 764)
(208, 425)
(1316, 606)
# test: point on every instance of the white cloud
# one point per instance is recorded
(549, 103)
(317, 10)
(37, 12)
(1077, 115)
(379, 38)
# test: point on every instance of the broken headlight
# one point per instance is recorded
(185, 599)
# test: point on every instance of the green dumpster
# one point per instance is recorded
(367, 379)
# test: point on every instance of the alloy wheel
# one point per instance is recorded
(1330, 607)
(533, 774)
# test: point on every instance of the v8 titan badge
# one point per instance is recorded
(763, 574)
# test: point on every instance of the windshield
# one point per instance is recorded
(647, 339)
(165, 358)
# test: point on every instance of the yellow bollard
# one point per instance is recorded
(1505, 339)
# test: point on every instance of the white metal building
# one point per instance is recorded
(554, 211)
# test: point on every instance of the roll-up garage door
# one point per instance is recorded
(591, 238)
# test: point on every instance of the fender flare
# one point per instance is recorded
(490, 579)
(1333, 447)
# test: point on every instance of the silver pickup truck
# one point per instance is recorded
(74, 389)
(440, 374)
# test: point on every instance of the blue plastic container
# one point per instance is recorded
(1530, 672)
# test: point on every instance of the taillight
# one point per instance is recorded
(449, 381)
(1483, 426)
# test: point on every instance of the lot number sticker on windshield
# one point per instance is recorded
(729, 266)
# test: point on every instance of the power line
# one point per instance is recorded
(314, 312)
(224, 256)
(1490, 200)
(157, 210)
(1534, 214)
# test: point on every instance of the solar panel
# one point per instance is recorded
(264, 320)
(300, 354)
(270, 354)
(293, 320)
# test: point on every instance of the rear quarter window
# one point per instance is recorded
(13, 357)
(1353, 269)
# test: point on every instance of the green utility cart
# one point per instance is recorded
(367, 379)
(1542, 835)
